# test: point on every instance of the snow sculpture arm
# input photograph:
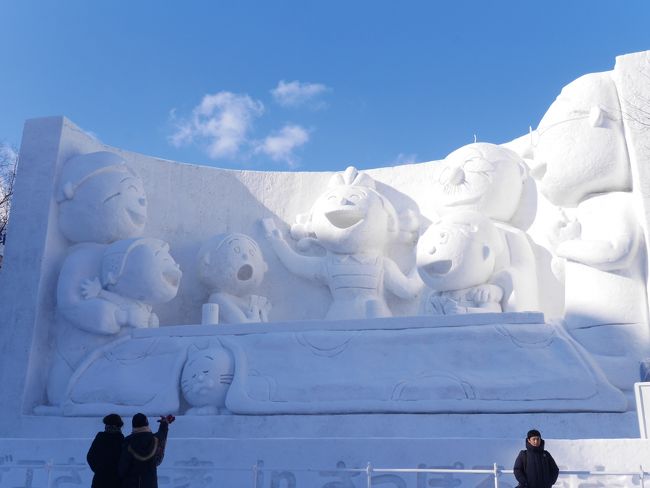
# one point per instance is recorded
(396, 282)
(304, 266)
(617, 251)
(129, 313)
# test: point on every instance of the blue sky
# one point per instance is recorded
(309, 85)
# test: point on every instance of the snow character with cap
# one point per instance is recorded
(232, 266)
(142, 452)
(354, 223)
(535, 467)
(104, 453)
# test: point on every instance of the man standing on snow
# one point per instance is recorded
(142, 452)
(535, 467)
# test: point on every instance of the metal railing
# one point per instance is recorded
(79, 474)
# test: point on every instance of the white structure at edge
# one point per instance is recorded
(416, 288)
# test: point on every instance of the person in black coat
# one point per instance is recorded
(535, 467)
(142, 452)
(104, 453)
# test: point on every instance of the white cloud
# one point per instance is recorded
(295, 94)
(403, 158)
(221, 122)
(280, 146)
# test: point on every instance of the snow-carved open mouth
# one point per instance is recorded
(136, 218)
(172, 277)
(344, 219)
(438, 267)
(245, 272)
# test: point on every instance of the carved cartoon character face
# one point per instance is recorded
(350, 219)
(206, 377)
(482, 177)
(579, 147)
(236, 266)
(107, 207)
(454, 254)
(149, 273)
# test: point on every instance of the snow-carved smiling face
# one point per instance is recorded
(232, 263)
(482, 177)
(458, 252)
(141, 269)
(350, 219)
(101, 204)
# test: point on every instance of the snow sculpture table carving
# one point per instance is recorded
(351, 366)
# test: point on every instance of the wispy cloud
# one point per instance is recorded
(295, 94)
(221, 122)
(403, 158)
(280, 145)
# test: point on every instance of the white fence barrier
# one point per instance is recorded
(50, 475)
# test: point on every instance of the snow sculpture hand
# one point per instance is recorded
(91, 288)
(563, 229)
(441, 305)
(487, 293)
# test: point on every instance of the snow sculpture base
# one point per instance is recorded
(446, 364)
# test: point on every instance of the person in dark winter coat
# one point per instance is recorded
(142, 452)
(535, 467)
(104, 453)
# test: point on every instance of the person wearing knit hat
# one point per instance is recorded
(142, 452)
(535, 467)
(104, 453)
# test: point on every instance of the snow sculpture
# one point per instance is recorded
(482, 177)
(135, 274)
(100, 199)
(233, 267)
(582, 163)
(457, 258)
(206, 377)
(353, 223)
(490, 179)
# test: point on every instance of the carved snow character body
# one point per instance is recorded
(457, 258)
(353, 223)
(233, 267)
(135, 274)
(205, 380)
(490, 179)
(100, 200)
(583, 165)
